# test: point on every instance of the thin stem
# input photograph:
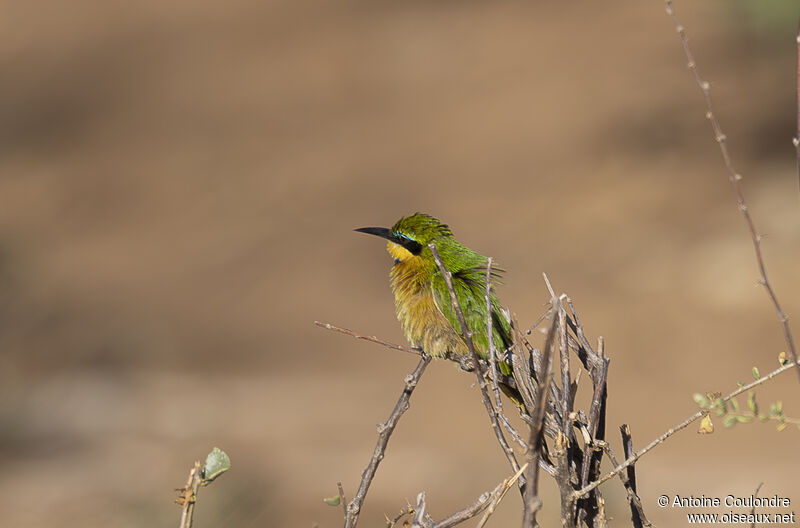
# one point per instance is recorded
(683, 425)
(796, 139)
(490, 331)
(735, 179)
(371, 339)
(637, 512)
(532, 502)
(188, 498)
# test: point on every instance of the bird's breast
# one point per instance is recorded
(423, 322)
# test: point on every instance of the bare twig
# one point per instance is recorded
(188, 496)
(487, 500)
(597, 409)
(796, 140)
(390, 523)
(342, 500)
(637, 512)
(532, 502)
(596, 423)
(566, 440)
(623, 475)
(735, 179)
(385, 430)
(468, 512)
(490, 331)
(498, 494)
(420, 512)
(753, 509)
(683, 425)
(467, 336)
(372, 339)
(566, 379)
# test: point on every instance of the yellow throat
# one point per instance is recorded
(422, 321)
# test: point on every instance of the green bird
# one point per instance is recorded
(422, 299)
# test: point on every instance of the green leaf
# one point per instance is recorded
(751, 403)
(756, 373)
(782, 426)
(729, 421)
(744, 419)
(700, 400)
(776, 409)
(217, 463)
(333, 501)
(735, 405)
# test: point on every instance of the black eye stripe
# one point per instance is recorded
(414, 247)
(399, 238)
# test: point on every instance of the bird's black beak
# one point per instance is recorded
(378, 231)
(414, 247)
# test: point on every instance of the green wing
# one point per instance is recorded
(469, 287)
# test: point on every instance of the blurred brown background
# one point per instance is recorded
(179, 182)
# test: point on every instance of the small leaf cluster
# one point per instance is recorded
(733, 413)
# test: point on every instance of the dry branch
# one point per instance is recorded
(371, 339)
(637, 513)
(385, 431)
(796, 140)
(532, 502)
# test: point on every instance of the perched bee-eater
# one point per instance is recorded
(421, 296)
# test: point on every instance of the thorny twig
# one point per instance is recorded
(342, 499)
(470, 511)
(623, 476)
(385, 430)
(735, 179)
(566, 439)
(796, 140)
(531, 500)
(420, 512)
(407, 510)
(498, 494)
(371, 339)
(637, 512)
(596, 423)
(487, 502)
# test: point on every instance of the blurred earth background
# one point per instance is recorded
(179, 182)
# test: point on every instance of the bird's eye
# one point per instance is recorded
(398, 261)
